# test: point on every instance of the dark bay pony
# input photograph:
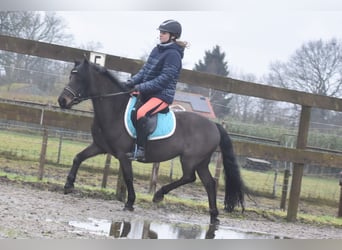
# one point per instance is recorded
(194, 140)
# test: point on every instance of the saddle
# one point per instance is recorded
(161, 125)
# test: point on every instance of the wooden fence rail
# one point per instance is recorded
(299, 157)
(67, 54)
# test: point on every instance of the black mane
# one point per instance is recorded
(110, 75)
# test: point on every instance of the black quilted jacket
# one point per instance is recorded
(158, 77)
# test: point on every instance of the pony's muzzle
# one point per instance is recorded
(64, 101)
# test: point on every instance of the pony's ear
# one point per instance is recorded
(77, 62)
(85, 59)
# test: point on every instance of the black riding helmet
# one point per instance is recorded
(171, 26)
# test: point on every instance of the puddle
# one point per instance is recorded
(139, 229)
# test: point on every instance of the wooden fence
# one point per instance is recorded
(299, 156)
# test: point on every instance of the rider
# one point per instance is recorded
(156, 81)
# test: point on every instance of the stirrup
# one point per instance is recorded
(137, 155)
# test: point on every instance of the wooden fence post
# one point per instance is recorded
(284, 190)
(43, 154)
(146, 230)
(298, 168)
(340, 207)
(274, 191)
(218, 165)
(59, 148)
(115, 229)
(218, 168)
(106, 171)
(154, 178)
(171, 169)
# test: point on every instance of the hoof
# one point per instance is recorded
(128, 208)
(68, 188)
(158, 196)
(210, 234)
(229, 209)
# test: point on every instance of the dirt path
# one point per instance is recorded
(27, 212)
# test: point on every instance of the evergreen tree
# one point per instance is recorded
(213, 63)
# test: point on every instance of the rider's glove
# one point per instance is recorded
(130, 84)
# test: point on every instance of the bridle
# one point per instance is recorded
(77, 98)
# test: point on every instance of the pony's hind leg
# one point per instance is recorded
(90, 151)
(210, 186)
(188, 177)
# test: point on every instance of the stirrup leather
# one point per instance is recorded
(137, 154)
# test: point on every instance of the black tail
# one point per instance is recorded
(234, 187)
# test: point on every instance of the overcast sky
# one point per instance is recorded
(250, 39)
(252, 33)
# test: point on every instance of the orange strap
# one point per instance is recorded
(151, 107)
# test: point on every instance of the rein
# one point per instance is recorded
(78, 99)
(103, 96)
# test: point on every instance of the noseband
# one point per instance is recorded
(75, 98)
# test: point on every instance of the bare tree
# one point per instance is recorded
(316, 67)
(40, 26)
(244, 107)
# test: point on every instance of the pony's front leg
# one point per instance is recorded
(127, 172)
(90, 151)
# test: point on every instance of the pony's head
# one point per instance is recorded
(88, 81)
(76, 89)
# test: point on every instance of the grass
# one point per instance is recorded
(313, 187)
(28, 146)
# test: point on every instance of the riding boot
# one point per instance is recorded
(142, 134)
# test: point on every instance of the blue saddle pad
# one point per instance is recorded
(166, 123)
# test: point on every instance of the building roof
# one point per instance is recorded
(193, 102)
